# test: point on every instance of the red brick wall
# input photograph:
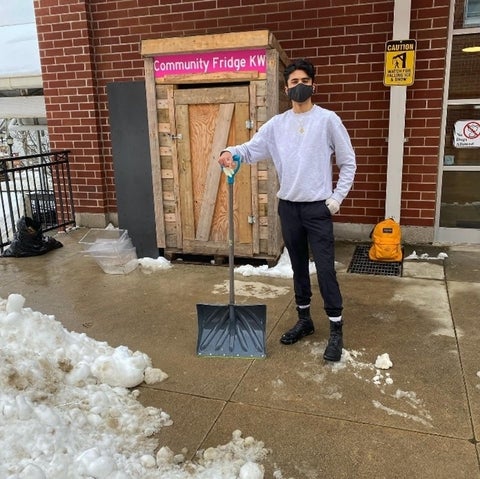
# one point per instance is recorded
(86, 44)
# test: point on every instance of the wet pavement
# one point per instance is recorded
(418, 419)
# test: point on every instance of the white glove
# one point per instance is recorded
(332, 205)
(228, 171)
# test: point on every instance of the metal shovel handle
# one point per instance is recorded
(231, 256)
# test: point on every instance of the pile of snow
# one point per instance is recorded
(150, 265)
(383, 361)
(283, 269)
(425, 256)
(66, 410)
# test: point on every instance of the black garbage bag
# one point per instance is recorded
(29, 240)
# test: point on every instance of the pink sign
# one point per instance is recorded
(210, 62)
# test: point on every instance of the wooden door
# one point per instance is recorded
(207, 120)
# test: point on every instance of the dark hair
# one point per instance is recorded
(299, 64)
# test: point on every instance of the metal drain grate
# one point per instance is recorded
(362, 264)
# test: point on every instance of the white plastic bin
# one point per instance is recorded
(117, 263)
(112, 249)
(101, 235)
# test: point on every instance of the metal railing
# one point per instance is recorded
(36, 186)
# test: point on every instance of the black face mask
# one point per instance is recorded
(300, 92)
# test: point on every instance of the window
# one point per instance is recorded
(464, 78)
(472, 12)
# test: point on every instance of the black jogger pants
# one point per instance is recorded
(304, 225)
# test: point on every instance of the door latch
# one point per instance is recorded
(176, 137)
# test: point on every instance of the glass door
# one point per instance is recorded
(458, 212)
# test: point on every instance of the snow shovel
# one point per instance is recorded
(231, 330)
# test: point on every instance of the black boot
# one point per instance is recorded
(333, 351)
(304, 327)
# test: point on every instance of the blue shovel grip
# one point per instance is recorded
(237, 160)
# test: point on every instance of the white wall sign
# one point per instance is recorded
(466, 134)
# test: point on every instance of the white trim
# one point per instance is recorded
(466, 31)
(21, 82)
(462, 168)
(28, 128)
(23, 107)
(361, 232)
(396, 127)
(457, 235)
(464, 101)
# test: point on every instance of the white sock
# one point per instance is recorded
(335, 319)
(303, 306)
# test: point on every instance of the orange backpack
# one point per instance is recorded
(387, 239)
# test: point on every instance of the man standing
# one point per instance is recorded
(301, 143)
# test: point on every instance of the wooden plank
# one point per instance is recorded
(273, 42)
(164, 128)
(209, 196)
(254, 171)
(274, 240)
(243, 180)
(185, 174)
(168, 196)
(273, 80)
(262, 115)
(175, 162)
(224, 77)
(204, 95)
(242, 207)
(161, 92)
(167, 173)
(215, 247)
(264, 235)
(166, 150)
(215, 42)
(154, 152)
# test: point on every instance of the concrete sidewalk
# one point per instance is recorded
(419, 419)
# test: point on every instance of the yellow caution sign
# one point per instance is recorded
(399, 63)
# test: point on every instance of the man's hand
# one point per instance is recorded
(226, 160)
(332, 205)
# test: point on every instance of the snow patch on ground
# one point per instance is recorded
(252, 289)
(151, 265)
(425, 256)
(430, 301)
(283, 269)
(397, 402)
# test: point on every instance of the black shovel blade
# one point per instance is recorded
(232, 330)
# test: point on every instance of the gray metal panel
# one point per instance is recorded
(132, 167)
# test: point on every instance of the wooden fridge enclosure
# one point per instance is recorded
(204, 93)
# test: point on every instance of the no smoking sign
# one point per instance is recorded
(471, 130)
(467, 134)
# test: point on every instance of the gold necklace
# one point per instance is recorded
(301, 128)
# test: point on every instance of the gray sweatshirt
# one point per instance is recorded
(301, 146)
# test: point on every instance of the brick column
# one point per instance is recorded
(70, 89)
